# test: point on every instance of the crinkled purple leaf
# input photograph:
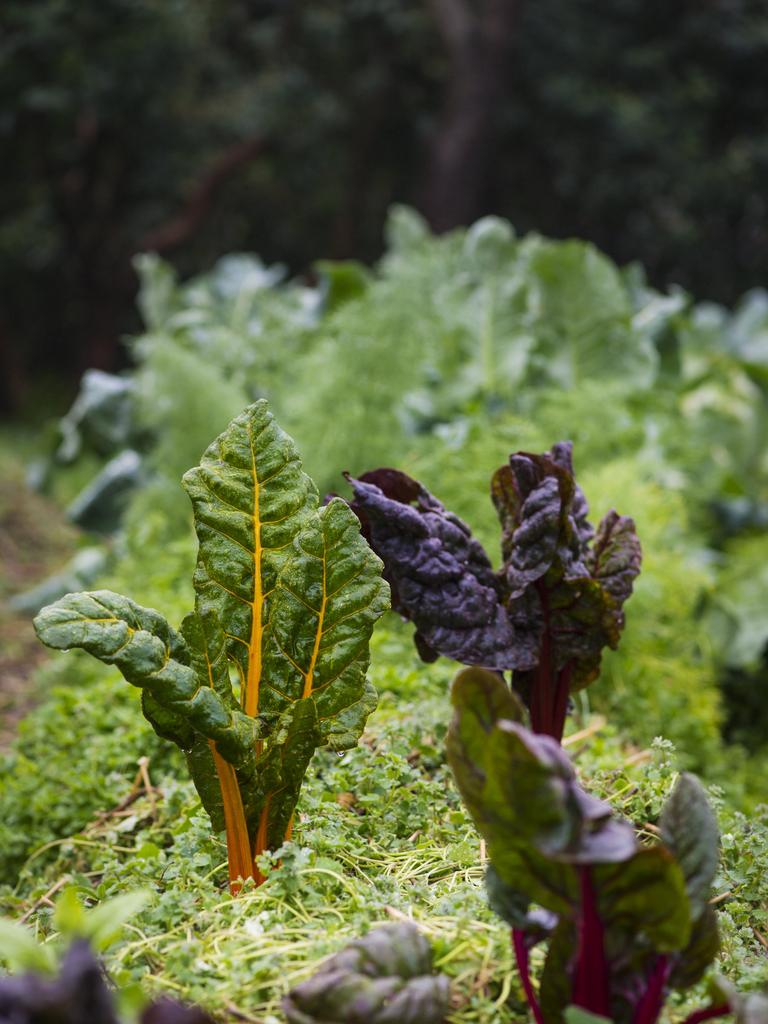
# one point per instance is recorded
(543, 517)
(615, 556)
(557, 585)
(79, 995)
(442, 577)
(550, 611)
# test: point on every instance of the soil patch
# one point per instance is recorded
(35, 541)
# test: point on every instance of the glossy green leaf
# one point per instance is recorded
(298, 591)
(327, 598)
(202, 768)
(288, 594)
(150, 655)
(270, 796)
(251, 499)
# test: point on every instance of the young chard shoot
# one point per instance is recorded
(546, 615)
(383, 978)
(287, 594)
(623, 924)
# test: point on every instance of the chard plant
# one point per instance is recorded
(623, 924)
(386, 977)
(551, 609)
(286, 597)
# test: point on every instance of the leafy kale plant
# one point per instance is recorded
(287, 594)
(384, 978)
(623, 924)
(551, 609)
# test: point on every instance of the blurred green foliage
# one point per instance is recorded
(454, 352)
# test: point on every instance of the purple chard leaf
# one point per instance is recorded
(550, 610)
(441, 578)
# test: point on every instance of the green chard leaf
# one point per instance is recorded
(327, 598)
(152, 656)
(287, 594)
(299, 590)
(251, 499)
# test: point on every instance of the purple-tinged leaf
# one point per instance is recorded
(384, 978)
(689, 829)
(79, 995)
(556, 982)
(525, 800)
(560, 591)
(644, 899)
(513, 906)
(546, 615)
(615, 556)
(534, 497)
(691, 963)
(441, 577)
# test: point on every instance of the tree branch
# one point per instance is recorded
(182, 227)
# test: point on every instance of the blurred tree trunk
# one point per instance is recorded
(478, 37)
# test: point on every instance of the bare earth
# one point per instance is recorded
(35, 541)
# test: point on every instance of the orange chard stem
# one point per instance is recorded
(241, 864)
